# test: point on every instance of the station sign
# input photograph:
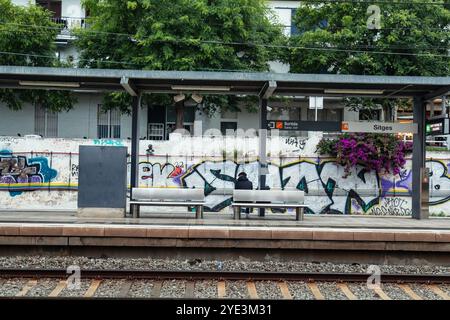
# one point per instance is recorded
(284, 125)
(436, 127)
(378, 127)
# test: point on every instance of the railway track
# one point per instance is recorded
(218, 284)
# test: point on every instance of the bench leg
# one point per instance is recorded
(299, 214)
(237, 213)
(134, 210)
(198, 212)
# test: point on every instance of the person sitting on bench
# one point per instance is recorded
(243, 183)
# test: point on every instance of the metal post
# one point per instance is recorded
(237, 213)
(134, 173)
(419, 172)
(262, 169)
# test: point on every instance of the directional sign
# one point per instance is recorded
(436, 127)
(378, 127)
(324, 126)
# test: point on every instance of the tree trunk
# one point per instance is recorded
(179, 109)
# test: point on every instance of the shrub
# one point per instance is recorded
(383, 153)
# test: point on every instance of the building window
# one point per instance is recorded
(294, 29)
(108, 123)
(45, 122)
(228, 125)
(155, 131)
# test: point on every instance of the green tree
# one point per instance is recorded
(413, 40)
(179, 35)
(27, 38)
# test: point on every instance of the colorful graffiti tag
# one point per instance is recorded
(332, 193)
(17, 173)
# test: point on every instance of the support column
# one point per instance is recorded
(420, 177)
(134, 173)
(263, 168)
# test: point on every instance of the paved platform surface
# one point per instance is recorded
(333, 237)
(219, 219)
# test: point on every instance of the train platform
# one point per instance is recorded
(218, 231)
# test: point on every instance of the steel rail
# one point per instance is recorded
(223, 275)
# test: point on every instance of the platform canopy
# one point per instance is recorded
(231, 83)
(262, 84)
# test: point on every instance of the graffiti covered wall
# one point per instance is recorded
(43, 174)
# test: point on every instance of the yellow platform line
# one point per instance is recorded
(439, 291)
(251, 287)
(59, 287)
(410, 292)
(221, 291)
(92, 288)
(315, 291)
(346, 290)
(381, 294)
(285, 290)
(28, 286)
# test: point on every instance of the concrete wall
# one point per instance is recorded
(47, 177)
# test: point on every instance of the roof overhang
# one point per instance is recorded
(230, 83)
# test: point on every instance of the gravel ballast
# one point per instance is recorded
(141, 289)
(268, 290)
(395, 292)
(205, 289)
(173, 289)
(59, 262)
(300, 291)
(12, 287)
(362, 292)
(331, 291)
(237, 290)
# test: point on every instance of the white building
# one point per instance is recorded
(86, 120)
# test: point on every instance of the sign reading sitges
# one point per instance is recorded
(378, 127)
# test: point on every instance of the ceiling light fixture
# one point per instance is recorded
(179, 97)
(197, 98)
(353, 91)
(201, 88)
(50, 84)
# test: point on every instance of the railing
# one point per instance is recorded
(68, 23)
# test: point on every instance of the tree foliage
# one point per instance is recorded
(185, 35)
(27, 38)
(414, 40)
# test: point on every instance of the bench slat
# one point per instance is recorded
(171, 194)
(268, 205)
(286, 196)
(167, 203)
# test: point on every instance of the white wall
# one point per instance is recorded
(81, 121)
(72, 8)
(14, 122)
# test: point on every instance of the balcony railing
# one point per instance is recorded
(69, 23)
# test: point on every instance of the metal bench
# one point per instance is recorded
(167, 197)
(268, 199)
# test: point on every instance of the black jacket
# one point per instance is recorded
(243, 183)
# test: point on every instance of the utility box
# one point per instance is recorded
(102, 181)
